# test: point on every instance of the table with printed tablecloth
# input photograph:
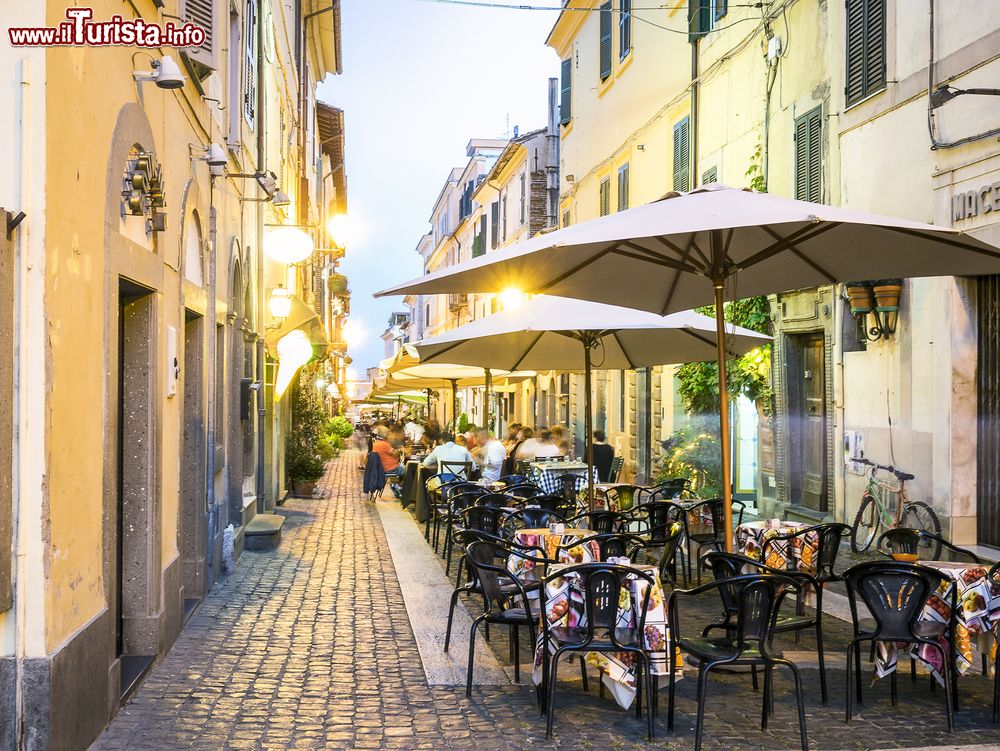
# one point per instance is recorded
(975, 622)
(552, 544)
(564, 607)
(546, 474)
(752, 536)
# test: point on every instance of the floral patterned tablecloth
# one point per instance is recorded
(550, 543)
(976, 620)
(751, 537)
(564, 607)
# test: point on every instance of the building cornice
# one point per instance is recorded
(568, 25)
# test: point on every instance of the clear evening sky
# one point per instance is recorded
(420, 79)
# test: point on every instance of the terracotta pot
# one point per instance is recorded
(303, 489)
(860, 298)
(887, 296)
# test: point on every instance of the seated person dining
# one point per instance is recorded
(388, 456)
(447, 451)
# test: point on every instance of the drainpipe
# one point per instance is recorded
(552, 156)
(693, 157)
(259, 260)
(211, 401)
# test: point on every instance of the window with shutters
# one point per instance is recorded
(682, 157)
(604, 196)
(503, 218)
(479, 239)
(606, 26)
(710, 175)
(808, 156)
(250, 64)
(566, 219)
(202, 13)
(566, 92)
(235, 70)
(624, 29)
(524, 197)
(623, 187)
(717, 9)
(494, 224)
(865, 45)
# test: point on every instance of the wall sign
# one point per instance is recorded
(970, 204)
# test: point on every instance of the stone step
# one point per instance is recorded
(263, 532)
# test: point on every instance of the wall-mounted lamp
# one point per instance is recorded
(288, 245)
(280, 198)
(279, 303)
(879, 299)
(945, 93)
(165, 74)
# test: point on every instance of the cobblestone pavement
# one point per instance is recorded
(310, 647)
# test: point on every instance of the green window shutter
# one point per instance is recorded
(682, 160)
(606, 40)
(865, 45)
(721, 8)
(566, 99)
(625, 29)
(710, 175)
(623, 187)
(809, 156)
(494, 224)
(699, 19)
(605, 196)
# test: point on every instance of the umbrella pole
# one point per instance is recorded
(588, 419)
(454, 407)
(720, 343)
(487, 395)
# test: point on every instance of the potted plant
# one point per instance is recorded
(887, 292)
(860, 296)
(305, 452)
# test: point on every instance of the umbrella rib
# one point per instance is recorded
(692, 245)
(527, 351)
(806, 233)
(706, 340)
(656, 260)
(802, 256)
(945, 240)
(677, 277)
(624, 351)
(562, 277)
(438, 354)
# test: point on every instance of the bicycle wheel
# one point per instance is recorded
(918, 515)
(866, 524)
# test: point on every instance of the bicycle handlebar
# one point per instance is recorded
(900, 475)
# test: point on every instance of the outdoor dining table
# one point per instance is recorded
(564, 608)
(543, 538)
(750, 539)
(418, 488)
(546, 474)
(975, 622)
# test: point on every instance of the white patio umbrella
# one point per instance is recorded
(556, 333)
(672, 254)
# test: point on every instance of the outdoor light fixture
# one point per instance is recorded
(268, 181)
(165, 74)
(880, 300)
(320, 383)
(338, 228)
(945, 93)
(280, 303)
(288, 245)
(280, 198)
(294, 351)
(215, 155)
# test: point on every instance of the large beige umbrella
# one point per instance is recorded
(672, 254)
(548, 333)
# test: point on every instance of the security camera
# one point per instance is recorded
(268, 181)
(215, 155)
(168, 75)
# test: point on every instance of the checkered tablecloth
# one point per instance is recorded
(546, 474)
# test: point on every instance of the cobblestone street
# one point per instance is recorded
(310, 647)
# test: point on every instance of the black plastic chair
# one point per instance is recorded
(610, 545)
(895, 594)
(459, 499)
(668, 490)
(523, 490)
(668, 539)
(433, 488)
(571, 486)
(601, 585)
(617, 463)
(920, 543)
(748, 642)
(656, 515)
(530, 517)
(502, 591)
(599, 522)
(623, 497)
(714, 539)
(551, 502)
(500, 500)
(511, 480)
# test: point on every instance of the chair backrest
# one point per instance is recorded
(460, 469)
(616, 468)
(493, 499)
(624, 496)
(599, 522)
(485, 558)
(512, 480)
(535, 518)
(523, 490)
(459, 501)
(757, 604)
(664, 491)
(657, 514)
(895, 594)
(828, 538)
(612, 545)
(601, 585)
(921, 543)
(434, 482)
(483, 518)
(572, 485)
(716, 510)
(550, 502)
(900, 540)
(454, 488)
(669, 537)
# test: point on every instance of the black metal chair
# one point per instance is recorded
(459, 499)
(599, 522)
(502, 593)
(601, 585)
(610, 545)
(551, 502)
(757, 601)
(442, 508)
(511, 480)
(616, 468)
(895, 594)
(922, 544)
(530, 517)
(623, 497)
(713, 538)
(432, 489)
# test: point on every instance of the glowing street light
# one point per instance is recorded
(280, 303)
(294, 351)
(288, 245)
(339, 229)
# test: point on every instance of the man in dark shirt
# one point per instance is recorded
(603, 456)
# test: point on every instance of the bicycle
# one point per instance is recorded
(875, 514)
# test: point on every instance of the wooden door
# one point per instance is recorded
(807, 421)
